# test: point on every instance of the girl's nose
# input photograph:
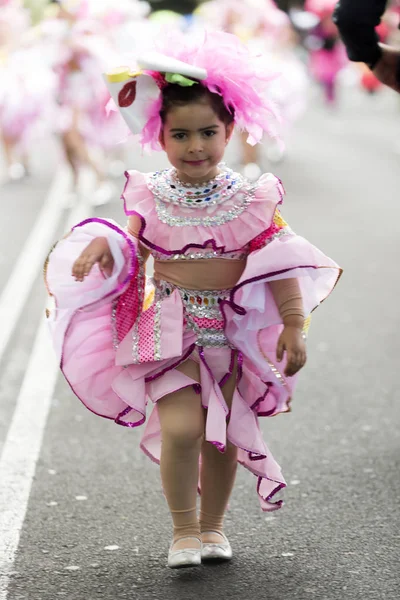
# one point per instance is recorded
(195, 145)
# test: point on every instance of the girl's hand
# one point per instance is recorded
(98, 251)
(291, 341)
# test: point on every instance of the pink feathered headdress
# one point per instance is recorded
(230, 71)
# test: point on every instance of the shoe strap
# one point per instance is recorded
(217, 533)
(187, 537)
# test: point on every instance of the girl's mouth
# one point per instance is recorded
(195, 163)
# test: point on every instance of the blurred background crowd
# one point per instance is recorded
(53, 54)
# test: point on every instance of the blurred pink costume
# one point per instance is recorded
(26, 84)
(118, 349)
(329, 57)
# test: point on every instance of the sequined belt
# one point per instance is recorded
(202, 312)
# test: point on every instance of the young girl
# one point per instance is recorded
(215, 339)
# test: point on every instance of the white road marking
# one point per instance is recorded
(31, 258)
(22, 448)
(24, 439)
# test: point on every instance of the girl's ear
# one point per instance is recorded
(161, 139)
(229, 130)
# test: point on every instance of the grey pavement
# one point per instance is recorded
(338, 535)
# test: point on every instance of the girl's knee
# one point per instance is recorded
(183, 434)
(181, 419)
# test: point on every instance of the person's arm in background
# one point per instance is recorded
(356, 21)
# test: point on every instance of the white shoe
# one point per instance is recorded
(186, 557)
(216, 551)
(16, 171)
(104, 193)
(116, 168)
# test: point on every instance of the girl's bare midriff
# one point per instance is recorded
(201, 274)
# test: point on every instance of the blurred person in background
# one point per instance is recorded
(17, 115)
(357, 21)
(327, 55)
(82, 36)
(267, 31)
(79, 45)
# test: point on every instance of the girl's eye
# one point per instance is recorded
(209, 133)
(179, 136)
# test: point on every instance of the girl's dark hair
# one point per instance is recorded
(177, 95)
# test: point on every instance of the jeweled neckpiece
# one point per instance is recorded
(168, 188)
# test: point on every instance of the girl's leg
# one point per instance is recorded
(8, 150)
(182, 428)
(77, 154)
(68, 143)
(330, 90)
(217, 477)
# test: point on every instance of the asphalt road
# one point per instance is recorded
(96, 524)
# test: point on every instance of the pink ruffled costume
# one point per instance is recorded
(118, 351)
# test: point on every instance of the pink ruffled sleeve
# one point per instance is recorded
(136, 195)
(253, 319)
(232, 234)
(71, 297)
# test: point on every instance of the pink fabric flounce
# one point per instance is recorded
(70, 296)
(253, 323)
(233, 235)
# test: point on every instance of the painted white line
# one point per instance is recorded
(22, 447)
(31, 258)
(3, 168)
(24, 439)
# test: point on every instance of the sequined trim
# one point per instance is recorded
(208, 337)
(204, 304)
(286, 231)
(135, 333)
(135, 342)
(135, 329)
(242, 201)
(167, 188)
(201, 255)
(114, 324)
(274, 370)
(157, 330)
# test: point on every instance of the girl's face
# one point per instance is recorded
(194, 139)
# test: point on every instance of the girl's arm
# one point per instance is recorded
(287, 296)
(133, 227)
(98, 251)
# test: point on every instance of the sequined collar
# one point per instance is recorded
(167, 188)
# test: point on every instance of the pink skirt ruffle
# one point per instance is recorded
(84, 336)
